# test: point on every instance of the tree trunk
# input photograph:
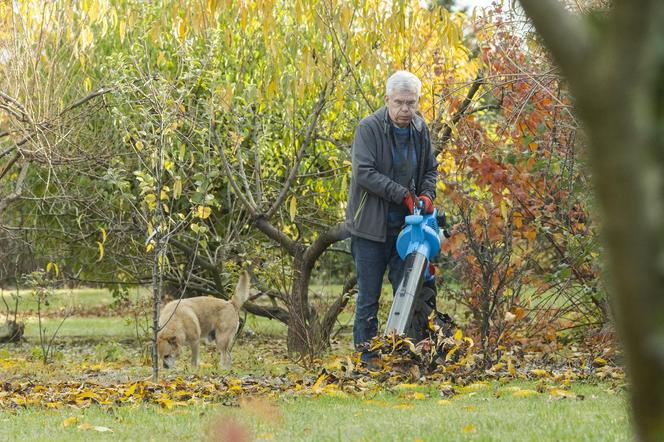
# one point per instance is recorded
(304, 329)
(616, 75)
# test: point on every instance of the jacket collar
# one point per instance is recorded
(417, 122)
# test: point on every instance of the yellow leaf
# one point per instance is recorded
(458, 334)
(540, 373)
(444, 402)
(477, 386)
(203, 212)
(72, 420)
(139, 146)
(419, 396)
(182, 30)
(405, 386)
(177, 187)
(449, 355)
(54, 266)
(599, 361)
(292, 210)
(510, 368)
(560, 393)
(132, 388)
(103, 234)
(166, 403)
(101, 251)
(524, 393)
(319, 382)
(469, 429)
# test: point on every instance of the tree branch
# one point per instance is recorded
(333, 312)
(82, 101)
(300, 154)
(229, 173)
(277, 235)
(338, 232)
(272, 312)
(207, 265)
(447, 132)
(18, 188)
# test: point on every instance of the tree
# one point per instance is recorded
(615, 68)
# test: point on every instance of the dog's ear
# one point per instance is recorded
(172, 340)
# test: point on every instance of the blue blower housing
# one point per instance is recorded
(417, 244)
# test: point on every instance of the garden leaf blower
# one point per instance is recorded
(417, 244)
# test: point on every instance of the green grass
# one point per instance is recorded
(64, 298)
(83, 327)
(386, 417)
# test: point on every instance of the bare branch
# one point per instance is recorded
(82, 101)
(272, 232)
(300, 154)
(447, 132)
(337, 233)
(333, 312)
(229, 173)
(272, 312)
(18, 188)
(207, 265)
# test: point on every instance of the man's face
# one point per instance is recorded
(401, 107)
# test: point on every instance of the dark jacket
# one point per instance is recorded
(371, 188)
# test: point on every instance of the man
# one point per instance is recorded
(393, 161)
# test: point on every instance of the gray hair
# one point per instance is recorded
(403, 81)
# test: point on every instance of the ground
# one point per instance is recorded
(97, 381)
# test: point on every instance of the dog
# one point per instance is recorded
(186, 321)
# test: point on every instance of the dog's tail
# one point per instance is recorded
(241, 290)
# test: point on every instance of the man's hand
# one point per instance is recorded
(408, 202)
(427, 205)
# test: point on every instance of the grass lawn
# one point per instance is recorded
(75, 326)
(95, 349)
(384, 417)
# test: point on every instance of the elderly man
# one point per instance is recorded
(393, 162)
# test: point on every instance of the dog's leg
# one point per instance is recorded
(194, 354)
(224, 344)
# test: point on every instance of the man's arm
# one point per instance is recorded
(364, 170)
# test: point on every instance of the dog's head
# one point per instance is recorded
(168, 348)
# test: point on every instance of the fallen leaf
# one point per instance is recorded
(470, 429)
(89, 426)
(524, 393)
(540, 373)
(72, 420)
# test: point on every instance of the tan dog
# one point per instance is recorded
(188, 320)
